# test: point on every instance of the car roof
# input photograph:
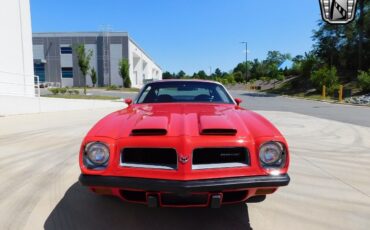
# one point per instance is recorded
(184, 80)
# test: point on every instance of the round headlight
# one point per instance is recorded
(97, 153)
(271, 154)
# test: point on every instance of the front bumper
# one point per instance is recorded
(209, 185)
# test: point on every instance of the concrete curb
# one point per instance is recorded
(324, 101)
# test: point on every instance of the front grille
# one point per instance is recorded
(207, 158)
(160, 158)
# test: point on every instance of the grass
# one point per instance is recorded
(298, 88)
(129, 89)
(313, 96)
(108, 88)
(88, 97)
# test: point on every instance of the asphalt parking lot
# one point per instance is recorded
(358, 115)
(330, 168)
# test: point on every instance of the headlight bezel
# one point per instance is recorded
(276, 164)
(87, 158)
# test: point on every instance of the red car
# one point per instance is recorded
(184, 143)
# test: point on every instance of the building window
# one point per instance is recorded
(67, 72)
(39, 70)
(66, 50)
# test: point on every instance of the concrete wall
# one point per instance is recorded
(51, 55)
(142, 67)
(16, 65)
(115, 57)
(38, 52)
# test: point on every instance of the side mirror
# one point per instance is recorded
(238, 101)
(128, 101)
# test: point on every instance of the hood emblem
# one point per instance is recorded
(183, 159)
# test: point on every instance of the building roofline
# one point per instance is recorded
(92, 34)
(131, 40)
(77, 34)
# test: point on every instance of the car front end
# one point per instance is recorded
(184, 155)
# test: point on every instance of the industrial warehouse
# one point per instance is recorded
(55, 60)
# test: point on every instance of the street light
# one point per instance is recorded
(246, 60)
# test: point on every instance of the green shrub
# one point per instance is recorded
(325, 76)
(76, 92)
(54, 91)
(238, 76)
(222, 80)
(127, 83)
(252, 81)
(280, 77)
(265, 79)
(364, 80)
(70, 91)
(230, 79)
(112, 87)
(62, 90)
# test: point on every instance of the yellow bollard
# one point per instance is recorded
(340, 93)
(323, 92)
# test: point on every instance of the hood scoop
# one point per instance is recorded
(148, 132)
(222, 132)
(216, 125)
(150, 126)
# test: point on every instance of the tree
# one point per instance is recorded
(195, 76)
(167, 75)
(297, 58)
(218, 72)
(124, 73)
(93, 76)
(308, 64)
(181, 74)
(258, 70)
(240, 68)
(361, 32)
(84, 58)
(202, 74)
(325, 76)
(346, 47)
(275, 57)
(238, 76)
(364, 80)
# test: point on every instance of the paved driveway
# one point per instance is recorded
(359, 115)
(330, 186)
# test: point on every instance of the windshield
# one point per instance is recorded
(171, 92)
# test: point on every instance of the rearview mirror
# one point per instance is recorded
(128, 101)
(238, 101)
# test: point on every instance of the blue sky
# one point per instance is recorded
(190, 35)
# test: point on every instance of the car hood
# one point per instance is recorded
(183, 119)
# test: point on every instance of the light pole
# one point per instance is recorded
(246, 60)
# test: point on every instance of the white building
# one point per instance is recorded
(16, 65)
(55, 59)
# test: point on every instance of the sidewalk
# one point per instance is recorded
(12, 105)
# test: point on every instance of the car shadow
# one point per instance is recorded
(82, 209)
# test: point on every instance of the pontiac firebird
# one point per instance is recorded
(184, 143)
